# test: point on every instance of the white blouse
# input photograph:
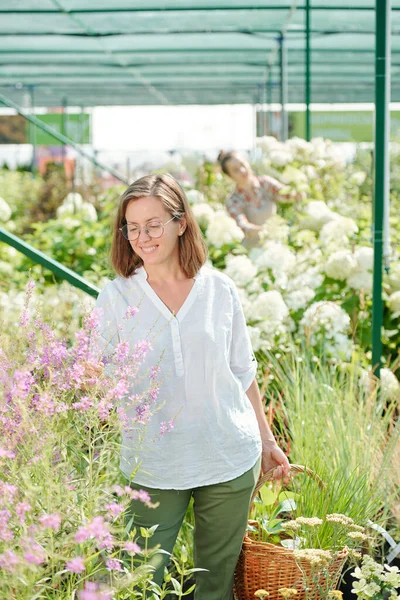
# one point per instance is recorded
(204, 430)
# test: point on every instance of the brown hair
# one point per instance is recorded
(223, 158)
(192, 248)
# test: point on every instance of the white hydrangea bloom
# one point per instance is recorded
(89, 212)
(317, 214)
(393, 277)
(327, 316)
(275, 229)
(310, 172)
(74, 200)
(340, 264)
(277, 257)
(268, 143)
(394, 302)
(280, 157)
(5, 211)
(300, 146)
(365, 258)
(338, 230)
(203, 213)
(240, 269)
(299, 298)
(390, 386)
(358, 177)
(270, 306)
(223, 230)
(294, 176)
(340, 344)
(195, 197)
(360, 280)
(255, 337)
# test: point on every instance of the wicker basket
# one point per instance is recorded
(269, 567)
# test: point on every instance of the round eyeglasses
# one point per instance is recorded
(154, 229)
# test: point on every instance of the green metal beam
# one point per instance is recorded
(187, 9)
(58, 136)
(55, 267)
(381, 158)
(308, 71)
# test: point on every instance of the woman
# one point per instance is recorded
(255, 197)
(218, 435)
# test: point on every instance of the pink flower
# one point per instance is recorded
(131, 311)
(34, 557)
(92, 592)
(75, 565)
(52, 521)
(114, 509)
(141, 495)
(6, 453)
(165, 427)
(113, 564)
(97, 529)
(154, 371)
(8, 560)
(132, 548)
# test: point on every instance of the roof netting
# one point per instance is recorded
(97, 52)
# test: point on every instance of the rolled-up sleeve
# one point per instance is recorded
(242, 360)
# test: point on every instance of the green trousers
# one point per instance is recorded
(221, 513)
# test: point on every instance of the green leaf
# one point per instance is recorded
(288, 505)
(176, 585)
(268, 496)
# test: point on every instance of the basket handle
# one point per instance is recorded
(268, 476)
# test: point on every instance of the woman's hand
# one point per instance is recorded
(274, 458)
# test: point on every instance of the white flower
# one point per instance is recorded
(275, 256)
(195, 197)
(390, 386)
(318, 213)
(340, 264)
(327, 316)
(394, 302)
(280, 157)
(365, 258)
(88, 212)
(394, 277)
(223, 230)
(240, 269)
(5, 210)
(340, 345)
(74, 200)
(291, 175)
(360, 280)
(268, 143)
(338, 230)
(275, 229)
(246, 303)
(300, 146)
(270, 306)
(255, 337)
(299, 298)
(203, 213)
(358, 177)
(310, 172)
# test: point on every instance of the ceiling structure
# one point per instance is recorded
(144, 52)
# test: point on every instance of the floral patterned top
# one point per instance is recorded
(248, 211)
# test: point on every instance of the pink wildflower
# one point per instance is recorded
(35, 556)
(131, 311)
(165, 427)
(132, 548)
(51, 521)
(75, 565)
(113, 564)
(154, 371)
(114, 509)
(140, 495)
(6, 453)
(8, 561)
(122, 351)
(97, 529)
(92, 592)
(20, 510)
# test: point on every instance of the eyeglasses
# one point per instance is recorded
(154, 229)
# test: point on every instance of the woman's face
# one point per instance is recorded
(150, 211)
(239, 170)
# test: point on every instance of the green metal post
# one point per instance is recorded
(308, 71)
(64, 118)
(283, 88)
(269, 108)
(32, 128)
(381, 157)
